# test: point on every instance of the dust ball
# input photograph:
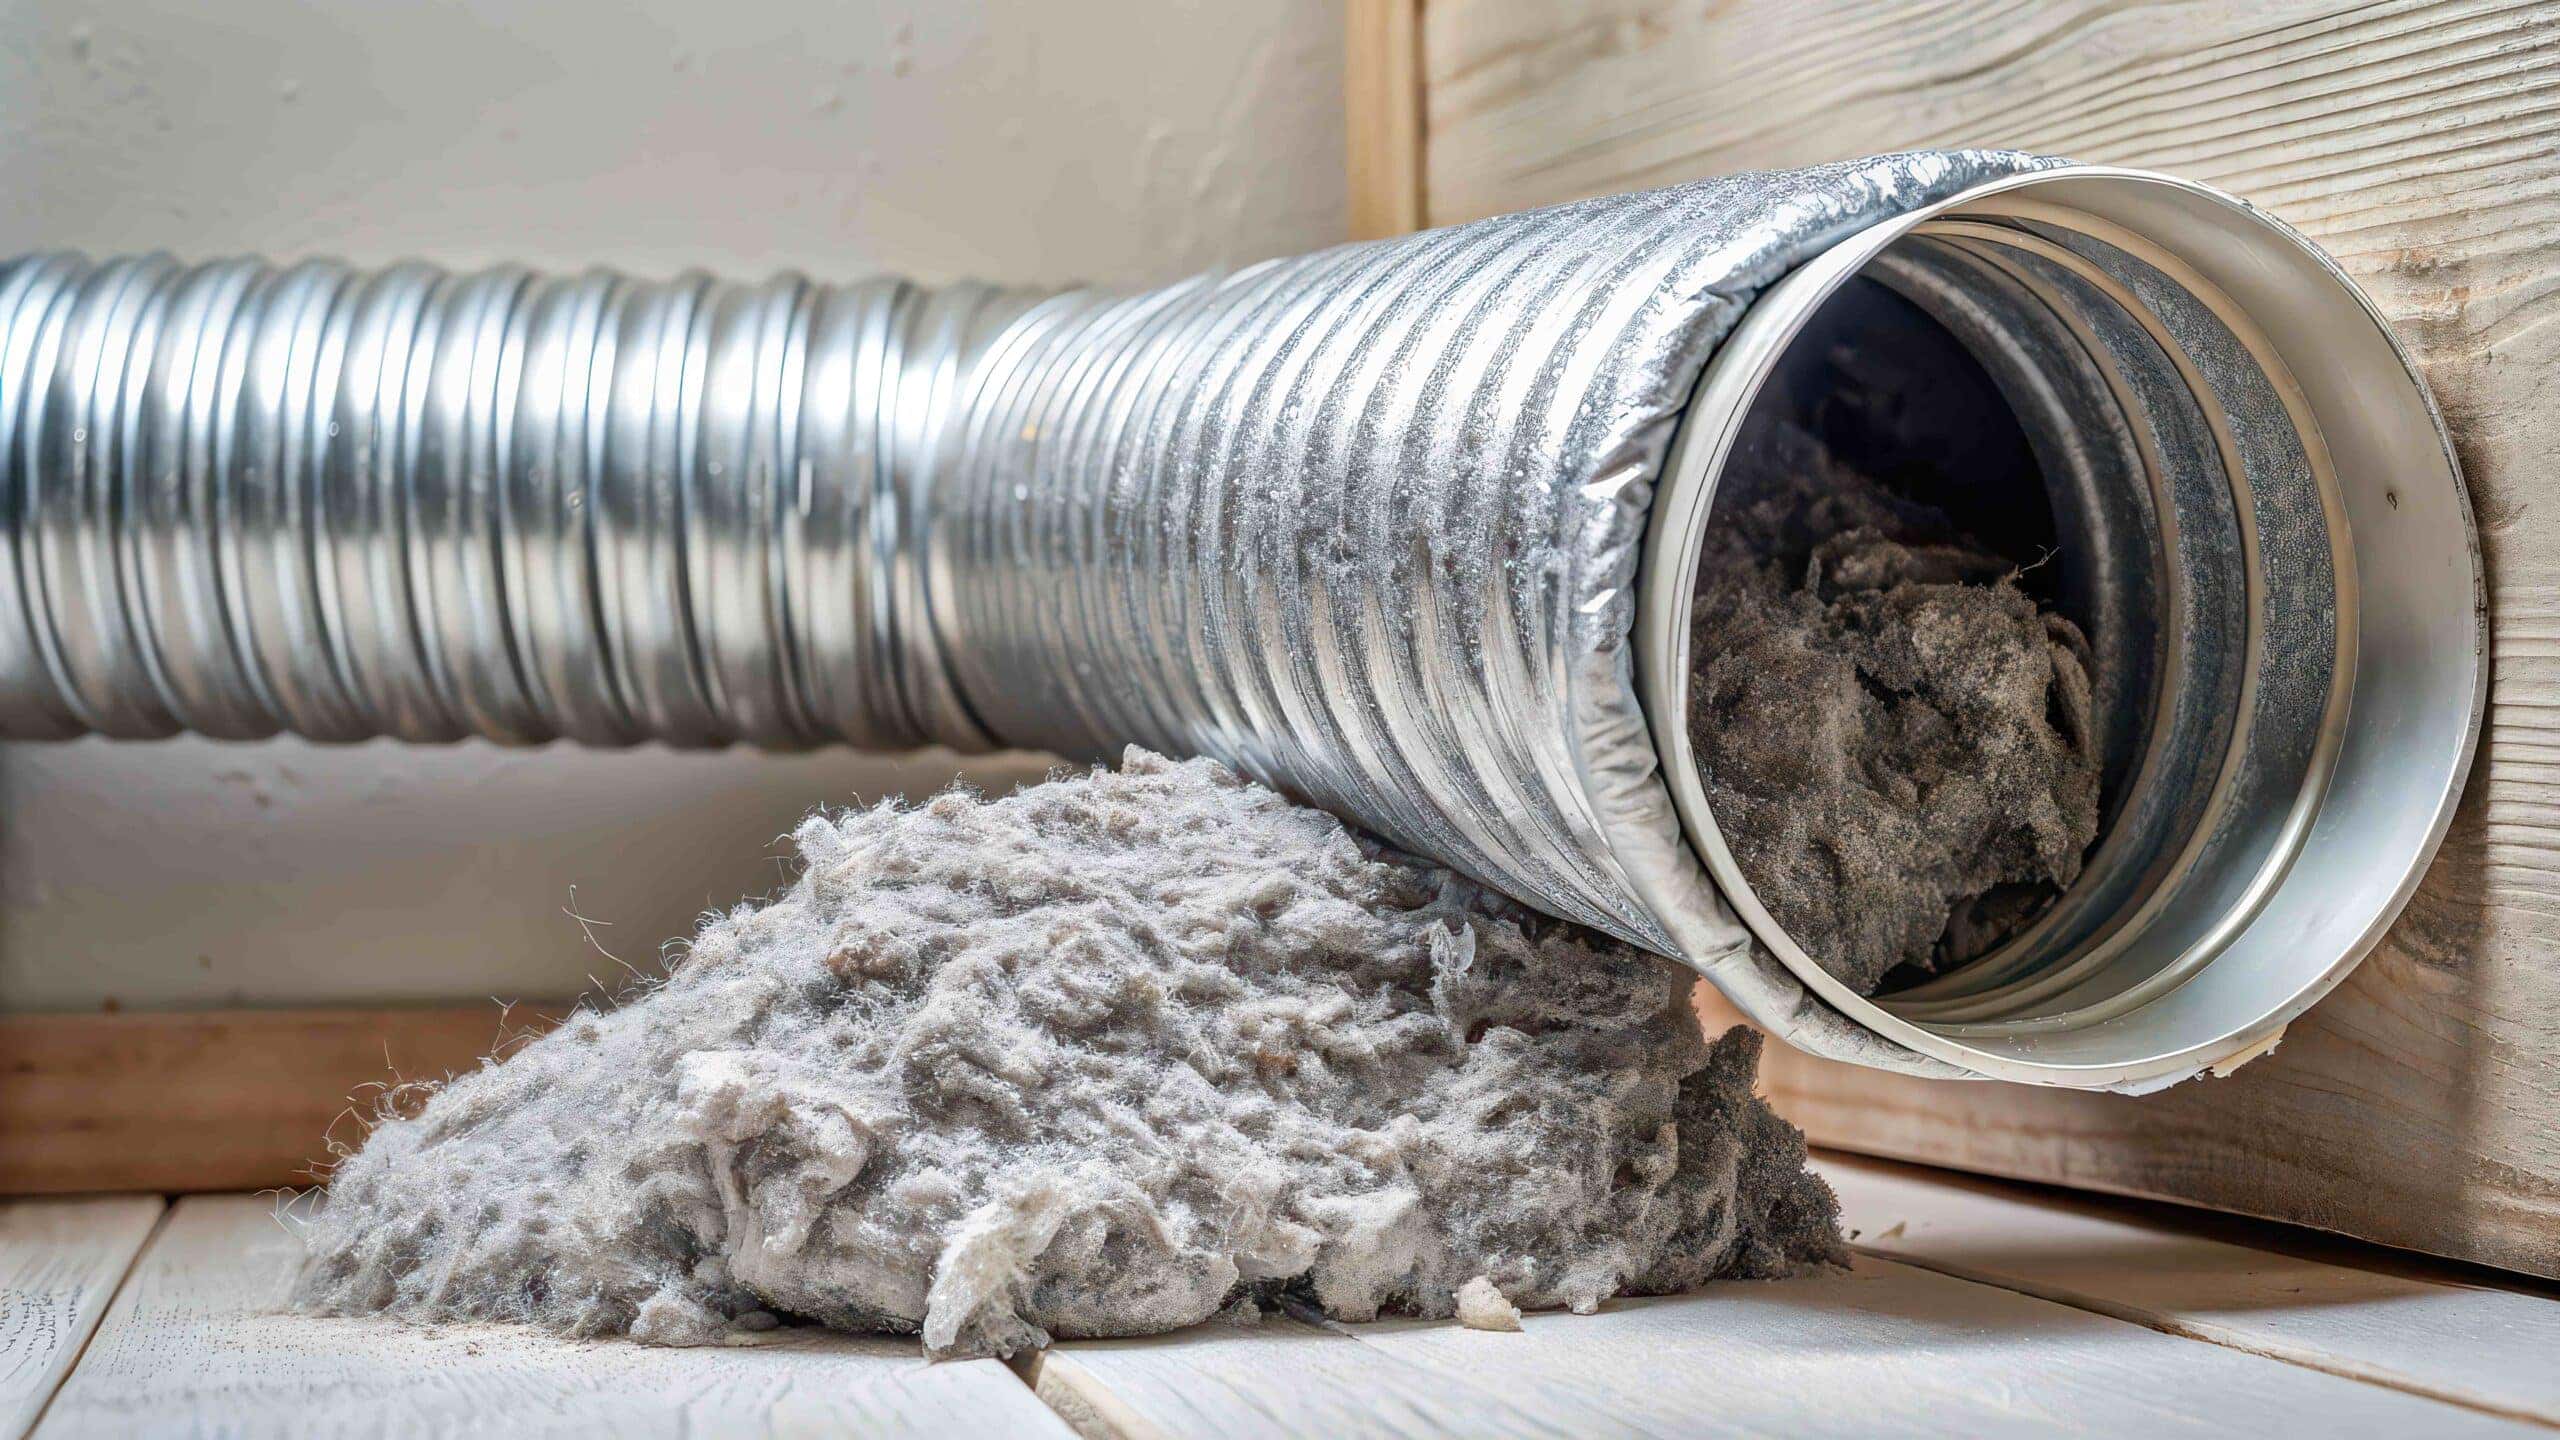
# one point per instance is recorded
(1482, 1306)
(1895, 738)
(1103, 1057)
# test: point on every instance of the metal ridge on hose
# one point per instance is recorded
(1367, 524)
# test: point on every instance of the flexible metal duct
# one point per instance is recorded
(1371, 525)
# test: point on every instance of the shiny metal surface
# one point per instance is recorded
(1369, 524)
(2289, 794)
(244, 499)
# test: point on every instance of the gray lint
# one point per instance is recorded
(1895, 738)
(1099, 1058)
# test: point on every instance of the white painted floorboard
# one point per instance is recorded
(1281, 1378)
(1887, 1349)
(195, 1346)
(2231, 1340)
(2496, 1349)
(59, 1264)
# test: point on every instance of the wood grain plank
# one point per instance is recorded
(2334, 1131)
(215, 1100)
(1882, 1349)
(60, 1261)
(195, 1344)
(2419, 142)
(1382, 96)
(2477, 1346)
(1281, 1379)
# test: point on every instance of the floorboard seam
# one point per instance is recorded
(1080, 1400)
(2207, 1335)
(124, 1277)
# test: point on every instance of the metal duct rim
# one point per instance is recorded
(2395, 739)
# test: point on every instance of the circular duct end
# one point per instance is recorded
(2253, 514)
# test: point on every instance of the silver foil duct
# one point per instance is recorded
(1365, 524)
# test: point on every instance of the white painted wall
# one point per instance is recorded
(1022, 140)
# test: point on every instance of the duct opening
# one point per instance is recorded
(1885, 502)
(2079, 412)
(2094, 403)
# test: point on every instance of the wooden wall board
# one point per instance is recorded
(1382, 87)
(2419, 142)
(215, 1100)
(196, 1343)
(2481, 1346)
(1883, 1349)
(60, 1263)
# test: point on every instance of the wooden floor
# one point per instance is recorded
(1974, 1309)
